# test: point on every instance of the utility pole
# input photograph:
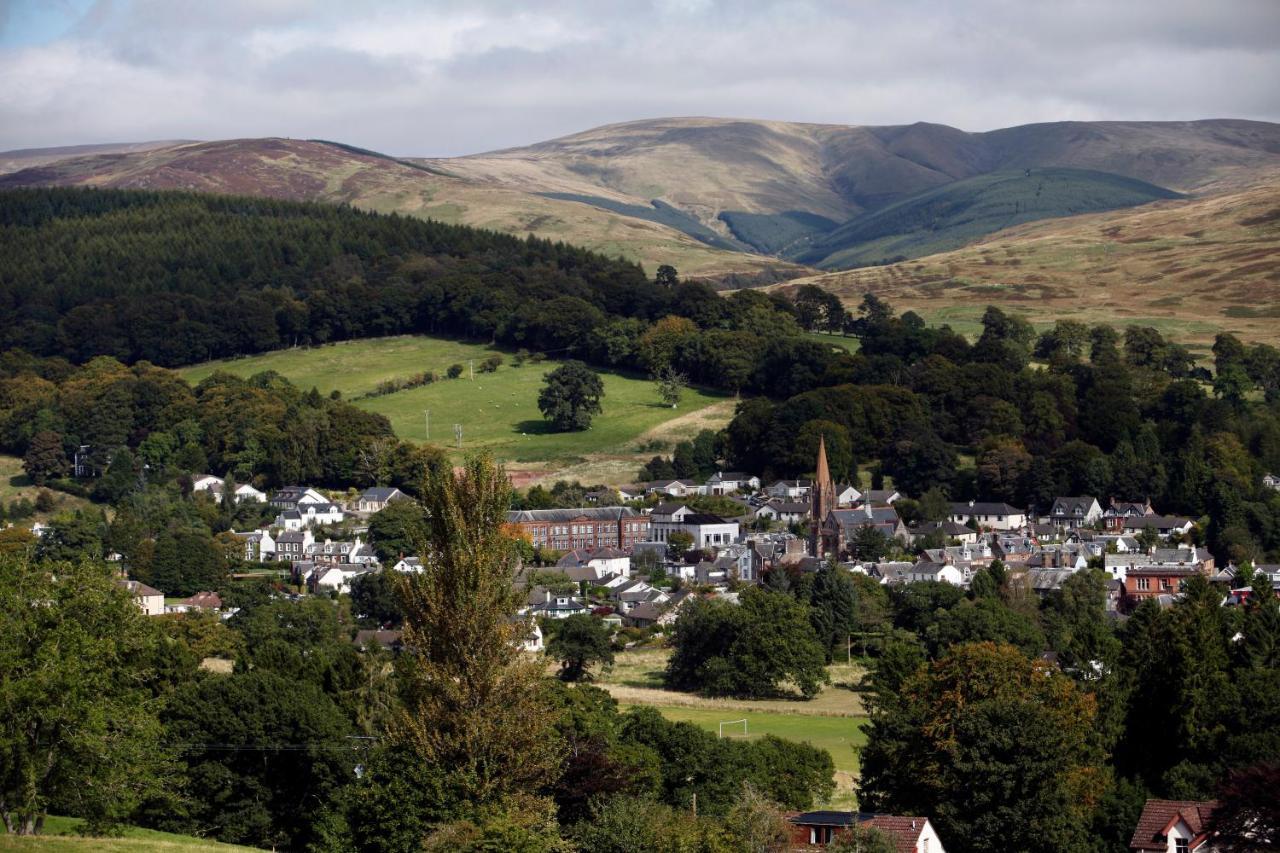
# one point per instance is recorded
(695, 804)
(472, 362)
(427, 414)
(457, 434)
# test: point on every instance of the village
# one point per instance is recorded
(611, 551)
(634, 556)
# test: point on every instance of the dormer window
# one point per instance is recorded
(1181, 845)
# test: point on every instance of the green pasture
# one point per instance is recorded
(496, 411)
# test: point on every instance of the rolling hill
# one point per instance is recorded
(26, 158)
(960, 212)
(331, 172)
(1191, 267)
(767, 184)
(727, 199)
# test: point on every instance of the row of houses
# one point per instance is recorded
(303, 501)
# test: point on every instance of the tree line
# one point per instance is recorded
(177, 278)
(1104, 414)
(144, 423)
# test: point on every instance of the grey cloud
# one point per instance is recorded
(450, 77)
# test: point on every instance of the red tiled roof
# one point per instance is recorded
(905, 831)
(1159, 815)
(210, 600)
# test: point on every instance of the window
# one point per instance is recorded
(1181, 845)
(1166, 584)
(1144, 584)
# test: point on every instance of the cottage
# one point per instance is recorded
(819, 829)
(632, 593)
(333, 578)
(377, 498)
(207, 483)
(209, 601)
(923, 570)
(1271, 481)
(674, 488)
(408, 565)
(947, 530)
(789, 490)
(1074, 513)
(149, 599)
(555, 606)
(291, 497)
(989, 516)
(309, 515)
(247, 493)
(728, 482)
(1174, 826)
(1165, 525)
(876, 497)
(589, 564)
(847, 495)
(787, 512)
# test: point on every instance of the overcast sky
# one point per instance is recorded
(443, 77)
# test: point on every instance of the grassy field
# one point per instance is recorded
(840, 736)
(14, 485)
(497, 411)
(834, 720)
(59, 835)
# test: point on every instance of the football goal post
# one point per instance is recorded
(733, 730)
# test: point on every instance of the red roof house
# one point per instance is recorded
(1174, 826)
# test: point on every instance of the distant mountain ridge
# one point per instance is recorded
(728, 197)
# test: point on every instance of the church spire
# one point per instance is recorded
(824, 473)
(823, 499)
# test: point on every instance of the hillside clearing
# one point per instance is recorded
(497, 412)
(15, 485)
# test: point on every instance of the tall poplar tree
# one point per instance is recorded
(471, 702)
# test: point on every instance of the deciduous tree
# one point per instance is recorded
(570, 396)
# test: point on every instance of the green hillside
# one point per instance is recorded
(959, 213)
(497, 411)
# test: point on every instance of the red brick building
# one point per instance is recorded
(584, 527)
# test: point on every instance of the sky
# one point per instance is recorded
(442, 78)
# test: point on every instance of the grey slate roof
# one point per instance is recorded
(593, 513)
